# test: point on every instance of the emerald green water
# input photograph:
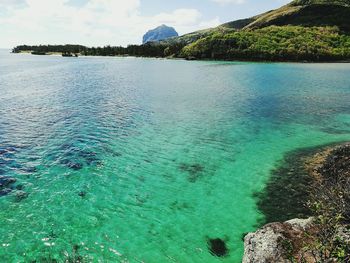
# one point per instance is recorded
(143, 160)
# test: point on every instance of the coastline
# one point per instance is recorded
(345, 61)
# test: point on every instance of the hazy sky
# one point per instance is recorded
(114, 22)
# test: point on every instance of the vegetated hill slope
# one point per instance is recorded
(194, 36)
(307, 13)
(273, 43)
(313, 30)
(299, 13)
(309, 2)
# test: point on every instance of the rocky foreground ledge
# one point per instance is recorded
(325, 237)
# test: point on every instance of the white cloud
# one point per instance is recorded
(179, 16)
(98, 22)
(10, 2)
(225, 2)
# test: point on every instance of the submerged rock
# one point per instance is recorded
(5, 191)
(19, 187)
(6, 181)
(72, 165)
(6, 185)
(89, 157)
(217, 247)
(75, 166)
(20, 195)
(82, 194)
(76, 158)
(194, 171)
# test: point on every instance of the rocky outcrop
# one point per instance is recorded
(274, 241)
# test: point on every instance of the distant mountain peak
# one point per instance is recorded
(162, 32)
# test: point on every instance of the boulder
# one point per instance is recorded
(272, 243)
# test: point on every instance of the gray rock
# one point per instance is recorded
(266, 244)
(303, 224)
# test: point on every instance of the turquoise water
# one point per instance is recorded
(144, 160)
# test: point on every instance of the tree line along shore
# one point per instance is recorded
(274, 43)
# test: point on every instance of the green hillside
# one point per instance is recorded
(307, 13)
(327, 2)
(313, 30)
(273, 43)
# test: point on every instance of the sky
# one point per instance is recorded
(114, 22)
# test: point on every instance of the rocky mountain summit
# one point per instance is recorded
(160, 33)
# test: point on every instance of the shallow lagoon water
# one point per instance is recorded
(144, 160)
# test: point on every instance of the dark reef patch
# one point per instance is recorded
(111, 152)
(89, 156)
(286, 193)
(194, 171)
(6, 181)
(6, 185)
(217, 247)
(20, 195)
(29, 170)
(178, 205)
(75, 158)
(10, 164)
(19, 187)
(72, 165)
(5, 191)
